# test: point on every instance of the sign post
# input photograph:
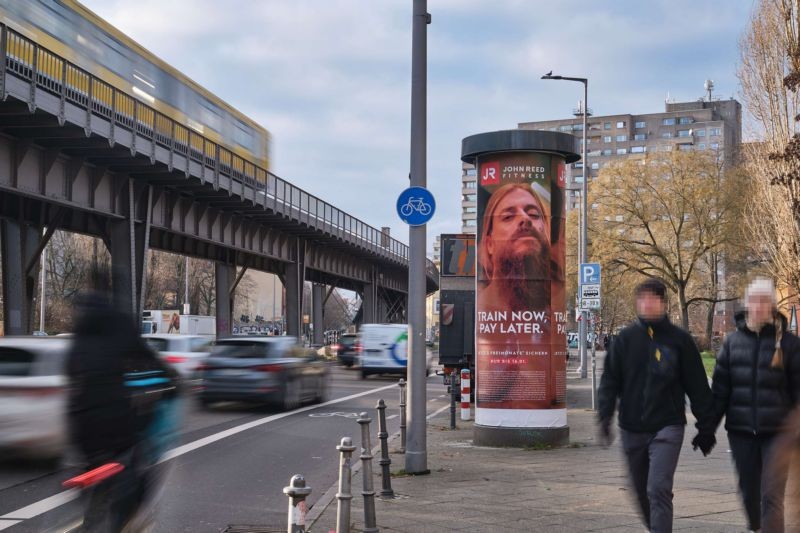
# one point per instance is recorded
(589, 289)
(521, 319)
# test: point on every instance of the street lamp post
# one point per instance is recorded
(584, 226)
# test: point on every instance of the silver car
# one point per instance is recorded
(33, 396)
(274, 370)
(184, 352)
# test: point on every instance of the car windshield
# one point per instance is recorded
(249, 348)
(14, 362)
(347, 340)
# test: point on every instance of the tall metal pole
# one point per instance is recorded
(584, 327)
(44, 281)
(186, 286)
(416, 445)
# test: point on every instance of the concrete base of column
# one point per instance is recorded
(501, 437)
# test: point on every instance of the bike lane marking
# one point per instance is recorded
(57, 500)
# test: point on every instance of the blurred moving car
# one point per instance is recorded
(184, 352)
(384, 350)
(33, 396)
(348, 349)
(274, 370)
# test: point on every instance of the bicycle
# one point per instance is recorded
(415, 204)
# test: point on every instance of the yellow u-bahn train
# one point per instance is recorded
(70, 30)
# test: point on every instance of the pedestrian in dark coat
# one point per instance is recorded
(756, 386)
(651, 366)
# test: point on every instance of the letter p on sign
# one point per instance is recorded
(589, 274)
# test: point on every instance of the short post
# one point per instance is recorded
(297, 493)
(385, 462)
(402, 386)
(454, 393)
(344, 496)
(370, 522)
(465, 394)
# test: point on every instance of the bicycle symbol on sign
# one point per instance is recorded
(332, 414)
(415, 204)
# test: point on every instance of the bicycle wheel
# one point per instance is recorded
(406, 210)
(424, 209)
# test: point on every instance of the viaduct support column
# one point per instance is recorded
(295, 277)
(224, 275)
(20, 244)
(129, 245)
(318, 312)
(369, 301)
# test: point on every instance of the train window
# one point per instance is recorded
(209, 115)
(243, 135)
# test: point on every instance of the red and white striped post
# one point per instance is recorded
(465, 392)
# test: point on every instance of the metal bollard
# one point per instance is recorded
(385, 462)
(344, 496)
(402, 385)
(465, 394)
(297, 493)
(370, 522)
(454, 396)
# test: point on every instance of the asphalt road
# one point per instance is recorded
(229, 465)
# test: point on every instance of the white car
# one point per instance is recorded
(33, 396)
(184, 352)
(384, 350)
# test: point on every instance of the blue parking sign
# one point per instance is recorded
(589, 274)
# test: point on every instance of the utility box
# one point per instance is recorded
(457, 302)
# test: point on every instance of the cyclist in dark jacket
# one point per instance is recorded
(651, 366)
(756, 385)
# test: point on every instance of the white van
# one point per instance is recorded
(384, 349)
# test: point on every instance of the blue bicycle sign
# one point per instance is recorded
(416, 206)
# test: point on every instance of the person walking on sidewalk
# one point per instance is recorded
(651, 366)
(756, 385)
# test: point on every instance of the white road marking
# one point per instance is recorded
(57, 500)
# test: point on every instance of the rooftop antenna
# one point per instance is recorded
(709, 87)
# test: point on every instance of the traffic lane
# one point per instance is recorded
(240, 480)
(33, 480)
(34, 492)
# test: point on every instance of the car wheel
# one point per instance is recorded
(291, 396)
(204, 403)
(364, 374)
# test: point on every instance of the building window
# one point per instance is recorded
(577, 127)
(685, 120)
(638, 149)
(577, 165)
(715, 131)
(470, 197)
(595, 166)
(607, 151)
(469, 210)
(685, 147)
(606, 125)
(715, 146)
(666, 135)
(701, 146)
(607, 138)
(621, 151)
(622, 138)
(641, 124)
(472, 172)
(470, 184)
(668, 122)
(471, 223)
(640, 137)
(565, 128)
(700, 133)
(683, 133)
(621, 124)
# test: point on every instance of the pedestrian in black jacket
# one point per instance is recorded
(756, 385)
(651, 366)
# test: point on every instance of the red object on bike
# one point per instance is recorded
(93, 477)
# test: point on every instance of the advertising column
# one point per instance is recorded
(520, 322)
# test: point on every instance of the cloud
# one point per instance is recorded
(331, 80)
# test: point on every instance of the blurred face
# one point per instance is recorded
(650, 306)
(759, 308)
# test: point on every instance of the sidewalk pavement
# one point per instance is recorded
(581, 487)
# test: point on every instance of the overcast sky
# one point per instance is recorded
(330, 79)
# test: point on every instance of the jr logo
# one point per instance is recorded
(490, 173)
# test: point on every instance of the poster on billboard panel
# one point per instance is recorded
(521, 321)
